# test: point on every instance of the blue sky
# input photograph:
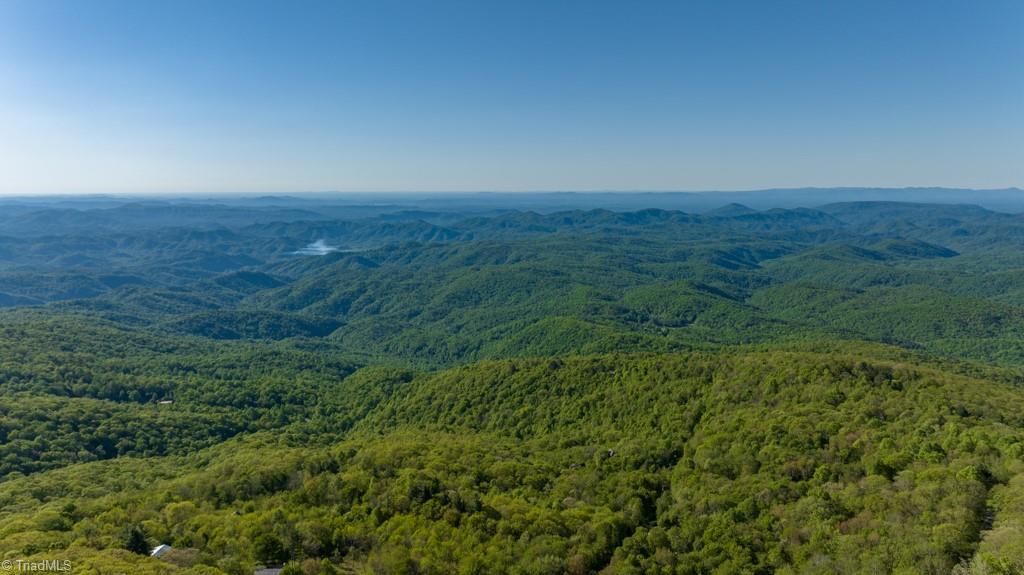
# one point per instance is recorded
(184, 96)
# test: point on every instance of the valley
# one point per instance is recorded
(835, 389)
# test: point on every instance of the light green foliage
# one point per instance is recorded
(692, 463)
(787, 391)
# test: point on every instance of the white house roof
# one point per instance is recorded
(159, 550)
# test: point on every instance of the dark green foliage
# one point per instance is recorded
(134, 540)
(241, 324)
(833, 390)
(267, 548)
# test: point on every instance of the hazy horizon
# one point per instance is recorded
(433, 193)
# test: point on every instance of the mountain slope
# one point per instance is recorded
(748, 462)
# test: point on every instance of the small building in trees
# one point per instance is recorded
(160, 550)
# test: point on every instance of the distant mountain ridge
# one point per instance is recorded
(359, 204)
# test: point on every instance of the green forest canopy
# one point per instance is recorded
(831, 390)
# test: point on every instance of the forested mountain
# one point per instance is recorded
(485, 387)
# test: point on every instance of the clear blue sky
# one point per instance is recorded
(181, 96)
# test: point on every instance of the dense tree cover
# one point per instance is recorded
(252, 325)
(76, 391)
(38, 432)
(836, 390)
(440, 288)
(754, 462)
